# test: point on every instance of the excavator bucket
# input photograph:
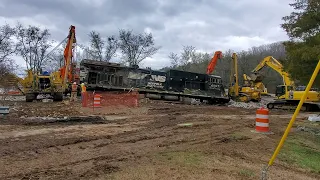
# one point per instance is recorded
(256, 77)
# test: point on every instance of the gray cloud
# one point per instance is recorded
(206, 24)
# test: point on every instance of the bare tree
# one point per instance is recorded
(96, 45)
(174, 59)
(55, 59)
(111, 47)
(33, 44)
(86, 53)
(136, 47)
(188, 54)
(7, 46)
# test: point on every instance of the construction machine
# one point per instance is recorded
(245, 93)
(56, 83)
(256, 84)
(288, 94)
(213, 62)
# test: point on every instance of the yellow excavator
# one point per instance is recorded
(257, 84)
(245, 93)
(56, 83)
(288, 94)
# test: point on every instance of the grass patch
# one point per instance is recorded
(182, 158)
(246, 173)
(304, 151)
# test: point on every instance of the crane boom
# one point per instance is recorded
(217, 55)
(66, 70)
(275, 65)
(235, 73)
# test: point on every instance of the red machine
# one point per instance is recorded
(217, 55)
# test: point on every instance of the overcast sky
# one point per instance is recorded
(209, 25)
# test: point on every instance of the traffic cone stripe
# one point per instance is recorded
(262, 120)
(261, 116)
(97, 100)
(263, 111)
(262, 129)
(262, 124)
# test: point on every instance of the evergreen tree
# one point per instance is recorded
(303, 49)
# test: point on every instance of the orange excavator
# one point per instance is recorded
(217, 55)
(67, 71)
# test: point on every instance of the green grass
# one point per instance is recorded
(302, 150)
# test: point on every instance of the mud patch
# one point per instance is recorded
(33, 121)
(99, 169)
(232, 138)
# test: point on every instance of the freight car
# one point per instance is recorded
(170, 85)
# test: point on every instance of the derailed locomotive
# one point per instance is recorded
(169, 85)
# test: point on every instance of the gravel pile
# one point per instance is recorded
(23, 98)
(249, 105)
(13, 98)
(311, 130)
(195, 101)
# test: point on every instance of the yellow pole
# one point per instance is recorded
(313, 77)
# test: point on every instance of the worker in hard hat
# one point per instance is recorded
(74, 92)
(83, 90)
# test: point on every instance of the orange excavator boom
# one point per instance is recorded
(217, 55)
(66, 70)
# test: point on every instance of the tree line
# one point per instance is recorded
(34, 45)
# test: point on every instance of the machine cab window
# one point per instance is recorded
(281, 90)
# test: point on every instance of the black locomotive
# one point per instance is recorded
(114, 77)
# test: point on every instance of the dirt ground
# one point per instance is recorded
(61, 141)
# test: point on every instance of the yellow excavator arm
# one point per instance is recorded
(275, 65)
(258, 86)
(247, 80)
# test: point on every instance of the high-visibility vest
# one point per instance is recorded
(83, 88)
(74, 88)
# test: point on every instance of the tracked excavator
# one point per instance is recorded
(246, 92)
(56, 83)
(288, 94)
